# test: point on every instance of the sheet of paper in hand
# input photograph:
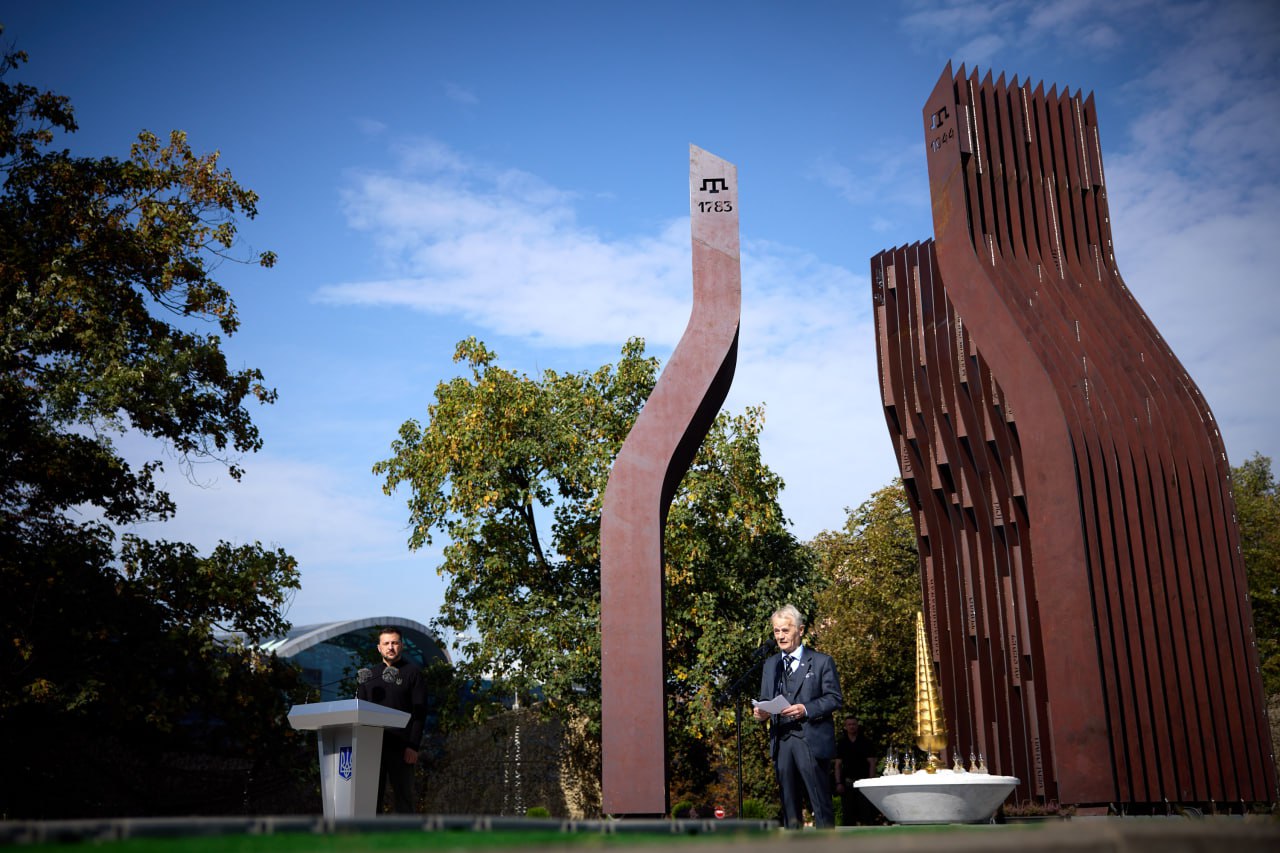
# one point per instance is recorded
(776, 705)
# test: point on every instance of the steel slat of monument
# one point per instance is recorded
(1214, 613)
(1012, 720)
(954, 584)
(1114, 542)
(1199, 733)
(1002, 236)
(1005, 167)
(1192, 496)
(951, 547)
(1105, 400)
(1043, 190)
(1059, 199)
(645, 474)
(893, 294)
(940, 591)
(976, 550)
(1132, 632)
(1166, 636)
(994, 147)
(1136, 717)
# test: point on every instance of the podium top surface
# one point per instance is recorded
(346, 712)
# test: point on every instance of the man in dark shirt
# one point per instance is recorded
(855, 759)
(397, 683)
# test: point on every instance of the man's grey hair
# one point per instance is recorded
(789, 612)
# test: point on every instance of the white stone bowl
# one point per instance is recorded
(942, 797)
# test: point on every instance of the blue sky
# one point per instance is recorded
(518, 172)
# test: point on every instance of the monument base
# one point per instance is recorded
(941, 797)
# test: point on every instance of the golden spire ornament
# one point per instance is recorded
(931, 725)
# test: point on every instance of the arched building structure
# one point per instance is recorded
(329, 653)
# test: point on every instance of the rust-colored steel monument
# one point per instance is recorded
(653, 460)
(1082, 577)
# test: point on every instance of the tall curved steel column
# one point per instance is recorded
(1080, 557)
(653, 459)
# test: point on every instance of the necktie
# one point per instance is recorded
(790, 663)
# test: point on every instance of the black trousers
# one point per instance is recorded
(858, 810)
(800, 774)
(402, 778)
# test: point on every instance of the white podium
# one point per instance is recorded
(349, 738)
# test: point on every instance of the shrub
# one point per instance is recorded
(757, 810)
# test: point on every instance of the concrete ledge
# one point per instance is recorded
(1078, 835)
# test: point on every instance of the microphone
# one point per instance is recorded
(766, 648)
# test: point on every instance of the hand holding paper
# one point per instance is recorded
(776, 705)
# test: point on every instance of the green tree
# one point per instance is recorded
(512, 470)
(105, 295)
(1258, 512)
(730, 562)
(869, 604)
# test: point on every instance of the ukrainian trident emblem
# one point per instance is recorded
(344, 762)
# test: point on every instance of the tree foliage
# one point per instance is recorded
(869, 606)
(1258, 511)
(511, 471)
(106, 296)
(730, 562)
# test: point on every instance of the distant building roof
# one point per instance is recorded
(303, 637)
(329, 653)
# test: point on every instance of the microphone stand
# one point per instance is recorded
(735, 691)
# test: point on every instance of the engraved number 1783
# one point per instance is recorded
(715, 207)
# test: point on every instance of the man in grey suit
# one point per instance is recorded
(801, 736)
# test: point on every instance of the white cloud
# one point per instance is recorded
(1048, 17)
(348, 538)
(370, 126)
(989, 32)
(957, 18)
(980, 50)
(505, 252)
(313, 514)
(808, 353)
(889, 174)
(460, 94)
(1195, 200)
(1100, 37)
(825, 432)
